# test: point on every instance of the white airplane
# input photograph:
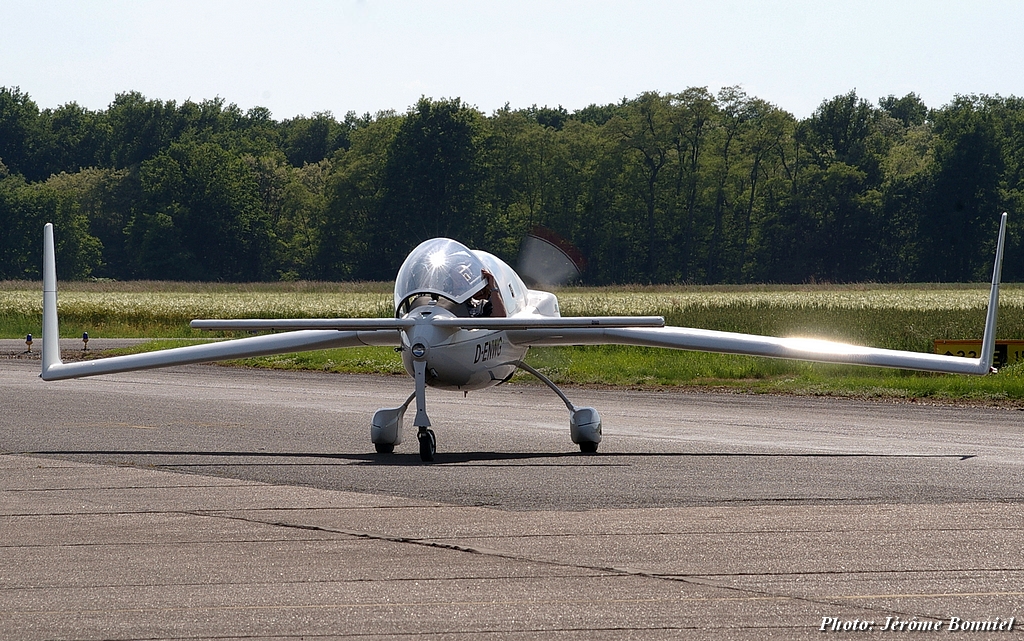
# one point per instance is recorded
(464, 321)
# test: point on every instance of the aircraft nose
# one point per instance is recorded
(425, 335)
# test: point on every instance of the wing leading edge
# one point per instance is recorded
(793, 348)
(517, 322)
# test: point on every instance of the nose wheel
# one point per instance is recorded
(428, 444)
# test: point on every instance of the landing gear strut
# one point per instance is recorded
(428, 444)
(584, 422)
(386, 431)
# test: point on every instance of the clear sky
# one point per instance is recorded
(296, 58)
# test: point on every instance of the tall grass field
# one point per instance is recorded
(905, 317)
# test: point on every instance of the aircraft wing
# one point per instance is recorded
(278, 324)
(356, 333)
(518, 322)
(298, 341)
(549, 322)
(806, 349)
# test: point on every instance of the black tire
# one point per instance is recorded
(588, 447)
(384, 448)
(428, 445)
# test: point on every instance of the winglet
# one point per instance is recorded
(51, 334)
(988, 342)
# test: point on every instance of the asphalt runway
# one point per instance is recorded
(205, 501)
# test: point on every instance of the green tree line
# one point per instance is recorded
(691, 187)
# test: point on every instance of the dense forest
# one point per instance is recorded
(691, 187)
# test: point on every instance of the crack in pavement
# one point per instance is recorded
(742, 594)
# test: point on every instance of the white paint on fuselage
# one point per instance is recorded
(469, 360)
(459, 359)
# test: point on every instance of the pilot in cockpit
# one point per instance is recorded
(487, 301)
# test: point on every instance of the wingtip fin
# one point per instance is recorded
(988, 342)
(51, 333)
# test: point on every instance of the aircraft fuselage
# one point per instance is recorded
(459, 359)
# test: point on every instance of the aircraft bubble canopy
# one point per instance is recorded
(440, 266)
